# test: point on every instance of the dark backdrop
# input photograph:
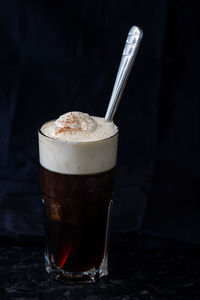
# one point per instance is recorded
(58, 56)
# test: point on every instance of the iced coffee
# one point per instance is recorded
(77, 161)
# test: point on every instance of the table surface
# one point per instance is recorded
(133, 275)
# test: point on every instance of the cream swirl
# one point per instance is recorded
(75, 120)
(79, 127)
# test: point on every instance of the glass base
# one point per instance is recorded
(88, 276)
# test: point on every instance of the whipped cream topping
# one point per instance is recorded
(79, 127)
(75, 120)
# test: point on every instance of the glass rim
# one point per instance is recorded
(72, 142)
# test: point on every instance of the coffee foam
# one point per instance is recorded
(79, 127)
(88, 151)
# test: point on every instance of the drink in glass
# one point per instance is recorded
(77, 162)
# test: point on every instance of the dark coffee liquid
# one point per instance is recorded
(77, 208)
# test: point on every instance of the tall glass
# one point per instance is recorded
(77, 192)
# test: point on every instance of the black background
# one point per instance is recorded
(59, 56)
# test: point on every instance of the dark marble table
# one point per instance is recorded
(160, 275)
